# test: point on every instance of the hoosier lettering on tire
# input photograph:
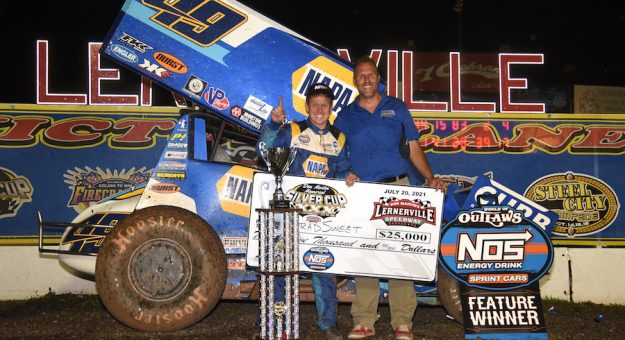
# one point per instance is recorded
(161, 269)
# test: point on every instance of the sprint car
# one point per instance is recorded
(165, 252)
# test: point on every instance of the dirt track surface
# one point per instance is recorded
(84, 317)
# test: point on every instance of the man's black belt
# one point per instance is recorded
(392, 178)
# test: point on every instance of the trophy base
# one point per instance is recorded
(280, 204)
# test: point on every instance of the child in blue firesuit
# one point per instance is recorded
(322, 152)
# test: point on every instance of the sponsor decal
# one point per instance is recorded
(585, 204)
(323, 70)
(203, 23)
(246, 117)
(123, 53)
(318, 258)
(216, 98)
(89, 186)
(172, 165)
(235, 190)
(304, 139)
(175, 176)
(170, 62)
(387, 113)
(236, 263)
(14, 191)
(495, 248)
(411, 213)
(175, 154)
(175, 145)
(230, 242)
(164, 188)
(195, 86)
(315, 166)
(258, 107)
(236, 112)
(154, 69)
(134, 42)
(316, 199)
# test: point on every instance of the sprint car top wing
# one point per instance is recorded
(225, 57)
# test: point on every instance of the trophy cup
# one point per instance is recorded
(278, 161)
(279, 252)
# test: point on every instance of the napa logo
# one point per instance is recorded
(235, 190)
(315, 166)
(318, 258)
(323, 70)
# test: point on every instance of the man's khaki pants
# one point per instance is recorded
(402, 301)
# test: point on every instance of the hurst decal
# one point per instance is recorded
(14, 191)
(235, 190)
(88, 186)
(585, 204)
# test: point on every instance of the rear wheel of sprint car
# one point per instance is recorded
(449, 294)
(161, 269)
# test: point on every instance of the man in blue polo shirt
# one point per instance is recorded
(321, 153)
(376, 125)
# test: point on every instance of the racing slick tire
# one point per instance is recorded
(161, 269)
(449, 294)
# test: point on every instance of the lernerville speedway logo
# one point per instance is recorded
(14, 191)
(411, 213)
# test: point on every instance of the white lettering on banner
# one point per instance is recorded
(503, 310)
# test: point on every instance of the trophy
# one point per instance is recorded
(279, 252)
(278, 161)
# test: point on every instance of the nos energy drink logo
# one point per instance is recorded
(318, 258)
(323, 70)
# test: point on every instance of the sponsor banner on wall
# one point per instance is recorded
(570, 164)
(61, 160)
(598, 99)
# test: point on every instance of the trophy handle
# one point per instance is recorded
(292, 154)
(264, 154)
(264, 187)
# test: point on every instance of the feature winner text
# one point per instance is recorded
(511, 310)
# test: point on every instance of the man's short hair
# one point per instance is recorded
(319, 88)
(365, 59)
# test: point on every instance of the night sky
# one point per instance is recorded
(581, 40)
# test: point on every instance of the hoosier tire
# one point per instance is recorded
(449, 294)
(161, 269)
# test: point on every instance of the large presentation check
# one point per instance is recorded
(368, 229)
